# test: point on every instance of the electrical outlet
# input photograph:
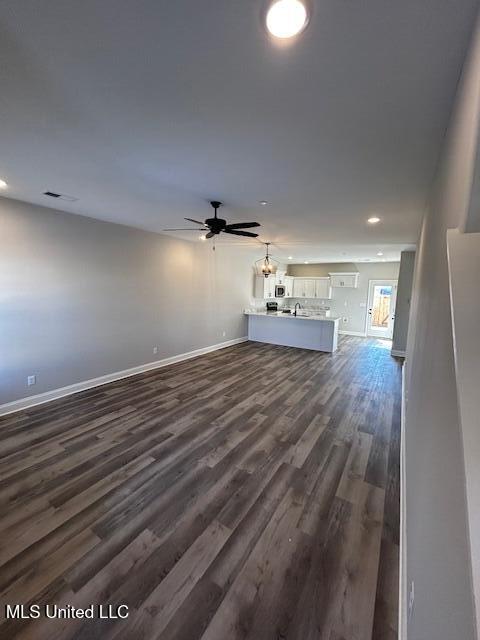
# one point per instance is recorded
(155, 350)
(31, 380)
(411, 600)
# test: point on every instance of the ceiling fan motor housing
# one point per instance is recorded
(216, 224)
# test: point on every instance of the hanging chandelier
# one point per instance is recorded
(266, 266)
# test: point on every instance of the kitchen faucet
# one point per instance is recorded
(297, 305)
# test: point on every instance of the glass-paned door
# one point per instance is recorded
(382, 297)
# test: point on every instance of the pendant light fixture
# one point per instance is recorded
(267, 266)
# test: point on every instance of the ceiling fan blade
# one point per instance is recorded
(247, 234)
(189, 229)
(242, 225)
(196, 221)
(210, 234)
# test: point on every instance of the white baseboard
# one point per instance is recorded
(359, 334)
(403, 589)
(399, 353)
(41, 398)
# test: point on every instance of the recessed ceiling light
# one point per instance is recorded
(263, 203)
(3, 184)
(380, 253)
(373, 220)
(286, 18)
(202, 237)
(305, 262)
(290, 257)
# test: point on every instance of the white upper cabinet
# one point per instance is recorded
(270, 287)
(323, 288)
(347, 280)
(309, 287)
(312, 288)
(303, 288)
(289, 286)
(264, 287)
(298, 290)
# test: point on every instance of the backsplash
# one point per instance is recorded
(308, 305)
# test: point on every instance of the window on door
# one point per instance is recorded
(382, 299)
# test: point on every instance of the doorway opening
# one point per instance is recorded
(382, 298)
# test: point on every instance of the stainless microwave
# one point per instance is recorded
(279, 291)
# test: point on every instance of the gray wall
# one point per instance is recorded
(319, 270)
(82, 298)
(464, 267)
(404, 295)
(349, 303)
(437, 545)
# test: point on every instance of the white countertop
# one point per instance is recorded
(290, 316)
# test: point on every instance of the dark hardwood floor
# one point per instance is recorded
(252, 493)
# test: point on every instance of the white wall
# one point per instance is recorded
(350, 303)
(464, 268)
(438, 559)
(82, 298)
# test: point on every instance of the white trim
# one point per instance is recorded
(31, 401)
(402, 574)
(352, 333)
(399, 353)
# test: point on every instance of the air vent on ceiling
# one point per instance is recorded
(60, 196)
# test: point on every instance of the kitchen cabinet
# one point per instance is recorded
(346, 280)
(323, 288)
(312, 288)
(297, 288)
(309, 288)
(304, 288)
(319, 334)
(289, 286)
(270, 287)
(264, 287)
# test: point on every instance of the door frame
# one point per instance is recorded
(371, 284)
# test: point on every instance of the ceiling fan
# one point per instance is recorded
(218, 225)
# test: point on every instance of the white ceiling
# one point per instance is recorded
(146, 109)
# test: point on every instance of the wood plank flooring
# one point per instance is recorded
(249, 494)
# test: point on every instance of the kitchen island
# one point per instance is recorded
(316, 332)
